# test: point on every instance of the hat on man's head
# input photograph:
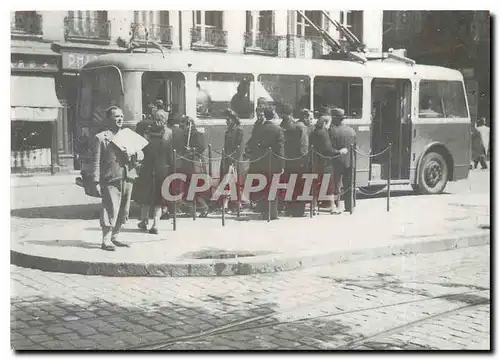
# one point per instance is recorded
(156, 129)
(287, 109)
(159, 104)
(269, 113)
(337, 113)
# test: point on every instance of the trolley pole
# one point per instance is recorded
(268, 199)
(389, 166)
(194, 196)
(223, 160)
(174, 223)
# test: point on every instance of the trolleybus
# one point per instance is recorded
(421, 110)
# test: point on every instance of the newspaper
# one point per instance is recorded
(128, 140)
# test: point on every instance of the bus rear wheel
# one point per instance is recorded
(433, 174)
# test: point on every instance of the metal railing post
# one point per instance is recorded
(311, 210)
(268, 198)
(174, 223)
(351, 183)
(389, 177)
(238, 194)
(223, 160)
(193, 172)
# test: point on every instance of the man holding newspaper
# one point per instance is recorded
(115, 155)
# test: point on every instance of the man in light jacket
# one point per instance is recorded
(114, 171)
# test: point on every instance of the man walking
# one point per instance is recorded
(481, 136)
(114, 170)
(342, 137)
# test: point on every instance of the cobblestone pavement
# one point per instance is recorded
(427, 301)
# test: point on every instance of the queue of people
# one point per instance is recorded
(289, 140)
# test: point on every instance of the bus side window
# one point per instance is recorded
(218, 91)
(279, 90)
(442, 99)
(342, 92)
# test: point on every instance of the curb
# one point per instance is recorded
(257, 265)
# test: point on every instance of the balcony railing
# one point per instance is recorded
(159, 33)
(211, 39)
(309, 47)
(87, 30)
(265, 44)
(26, 24)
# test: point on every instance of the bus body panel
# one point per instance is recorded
(455, 137)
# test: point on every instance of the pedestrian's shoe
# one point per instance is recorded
(204, 214)
(119, 243)
(143, 225)
(153, 230)
(165, 216)
(107, 247)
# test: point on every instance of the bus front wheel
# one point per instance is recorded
(433, 174)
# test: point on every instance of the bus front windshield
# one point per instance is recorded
(100, 89)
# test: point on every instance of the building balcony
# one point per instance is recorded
(262, 44)
(308, 47)
(26, 24)
(210, 39)
(87, 30)
(161, 34)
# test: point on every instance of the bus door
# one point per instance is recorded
(391, 101)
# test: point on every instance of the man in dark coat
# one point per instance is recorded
(114, 171)
(342, 137)
(267, 135)
(296, 149)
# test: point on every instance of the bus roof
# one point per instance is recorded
(236, 63)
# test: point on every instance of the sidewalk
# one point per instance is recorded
(203, 247)
(41, 180)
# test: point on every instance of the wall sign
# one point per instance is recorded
(34, 65)
(75, 61)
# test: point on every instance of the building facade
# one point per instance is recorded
(456, 39)
(49, 47)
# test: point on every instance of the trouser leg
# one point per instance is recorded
(156, 216)
(111, 197)
(482, 161)
(347, 188)
(124, 209)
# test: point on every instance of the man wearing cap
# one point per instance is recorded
(115, 171)
(342, 137)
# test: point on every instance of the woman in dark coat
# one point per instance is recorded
(233, 148)
(156, 166)
(323, 151)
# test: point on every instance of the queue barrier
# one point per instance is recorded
(197, 158)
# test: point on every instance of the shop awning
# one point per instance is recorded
(33, 98)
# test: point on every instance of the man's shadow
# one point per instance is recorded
(67, 212)
(66, 243)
